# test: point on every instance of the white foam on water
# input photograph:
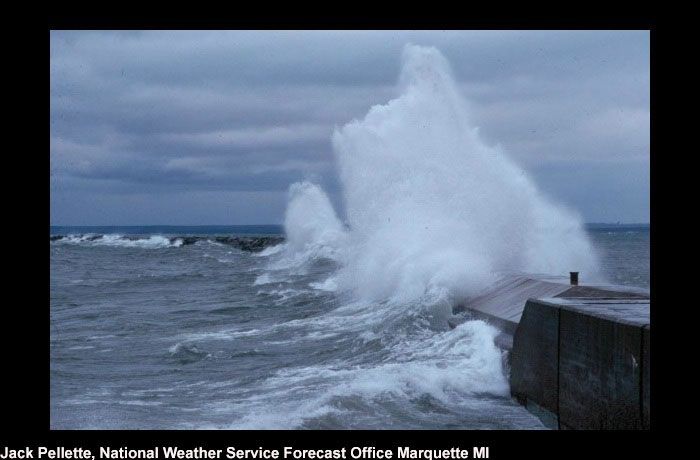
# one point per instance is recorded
(227, 334)
(451, 367)
(270, 250)
(329, 285)
(265, 278)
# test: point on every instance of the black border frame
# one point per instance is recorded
(26, 376)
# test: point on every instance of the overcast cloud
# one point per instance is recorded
(212, 127)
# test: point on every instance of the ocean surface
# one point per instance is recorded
(154, 329)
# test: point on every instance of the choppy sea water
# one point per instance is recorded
(148, 332)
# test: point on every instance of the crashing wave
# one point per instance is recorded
(429, 204)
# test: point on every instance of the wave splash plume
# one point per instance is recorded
(430, 206)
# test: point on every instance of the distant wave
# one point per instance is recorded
(244, 243)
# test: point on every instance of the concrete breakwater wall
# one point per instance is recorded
(584, 363)
(579, 356)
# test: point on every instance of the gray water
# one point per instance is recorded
(148, 333)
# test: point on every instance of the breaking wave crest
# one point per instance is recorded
(116, 240)
(244, 243)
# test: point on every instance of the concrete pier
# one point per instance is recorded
(578, 355)
(584, 361)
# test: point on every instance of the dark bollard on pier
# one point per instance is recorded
(573, 278)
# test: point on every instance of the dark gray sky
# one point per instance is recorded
(211, 127)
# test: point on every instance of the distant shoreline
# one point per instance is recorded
(601, 225)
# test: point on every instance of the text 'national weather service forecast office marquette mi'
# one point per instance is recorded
(231, 453)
